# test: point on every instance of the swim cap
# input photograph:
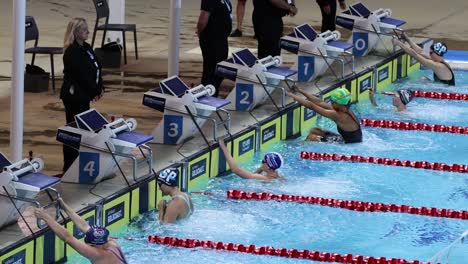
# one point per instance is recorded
(273, 160)
(405, 95)
(439, 48)
(169, 177)
(341, 96)
(96, 235)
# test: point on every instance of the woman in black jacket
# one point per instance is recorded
(82, 80)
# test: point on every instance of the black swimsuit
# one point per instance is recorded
(449, 82)
(345, 136)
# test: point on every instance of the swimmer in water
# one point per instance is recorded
(267, 171)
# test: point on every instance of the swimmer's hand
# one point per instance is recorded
(396, 42)
(40, 213)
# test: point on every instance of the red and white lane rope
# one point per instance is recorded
(279, 252)
(349, 204)
(438, 95)
(413, 126)
(386, 161)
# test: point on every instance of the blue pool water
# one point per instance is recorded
(305, 226)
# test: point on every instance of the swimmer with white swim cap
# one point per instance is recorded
(400, 98)
(267, 171)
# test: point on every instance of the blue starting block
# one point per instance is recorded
(316, 52)
(255, 78)
(185, 110)
(368, 27)
(20, 183)
(102, 147)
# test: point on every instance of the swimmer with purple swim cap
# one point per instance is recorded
(267, 171)
(98, 247)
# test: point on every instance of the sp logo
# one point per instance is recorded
(168, 175)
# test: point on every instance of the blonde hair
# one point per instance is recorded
(75, 24)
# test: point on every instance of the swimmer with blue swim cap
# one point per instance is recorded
(339, 111)
(98, 247)
(267, 171)
(435, 60)
(179, 206)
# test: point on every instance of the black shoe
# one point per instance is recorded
(236, 33)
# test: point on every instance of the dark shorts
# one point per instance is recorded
(331, 137)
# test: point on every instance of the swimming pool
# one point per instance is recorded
(305, 226)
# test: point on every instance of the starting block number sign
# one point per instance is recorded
(244, 96)
(89, 166)
(173, 125)
(361, 43)
(306, 68)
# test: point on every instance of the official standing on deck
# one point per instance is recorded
(213, 29)
(267, 18)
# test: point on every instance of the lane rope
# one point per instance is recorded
(279, 252)
(349, 204)
(439, 95)
(399, 125)
(440, 166)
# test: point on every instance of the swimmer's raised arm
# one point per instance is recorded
(235, 168)
(80, 223)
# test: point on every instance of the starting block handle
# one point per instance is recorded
(122, 125)
(202, 90)
(34, 165)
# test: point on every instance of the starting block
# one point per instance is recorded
(102, 146)
(368, 26)
(185, 110)
(255, 78)
(20, 183)
(316, 51)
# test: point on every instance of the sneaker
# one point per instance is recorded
(236, 33)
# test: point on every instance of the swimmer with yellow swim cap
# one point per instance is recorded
(348, 125)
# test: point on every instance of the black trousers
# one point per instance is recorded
(328, 20)
(72, 108)
(268, 32)
(214, 50)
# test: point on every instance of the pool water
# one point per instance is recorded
(305, 226)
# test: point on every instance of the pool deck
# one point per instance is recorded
(44, 111)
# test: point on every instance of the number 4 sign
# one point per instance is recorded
(89, 167)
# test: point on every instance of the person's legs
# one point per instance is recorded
(213, 51)
(240, 11)
(328, 20)
(72, 108)
(268, 37)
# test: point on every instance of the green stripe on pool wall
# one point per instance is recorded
(116, 212)
(198, 172)
(363, 83)
(270, 133)
(394, 70)
(21, 254)
(384, 75)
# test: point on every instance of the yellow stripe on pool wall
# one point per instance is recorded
(308, 118)
(115, 213)
(39, 250)
(214, 162)
(135, 205)
(151, 194)
(270, 133)
(199, 172)
(404, 65)
(384, 75)
(90, 217)
(21, 254)
(59, 249)
(364, 82)
(395, 70)
(413, 65)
